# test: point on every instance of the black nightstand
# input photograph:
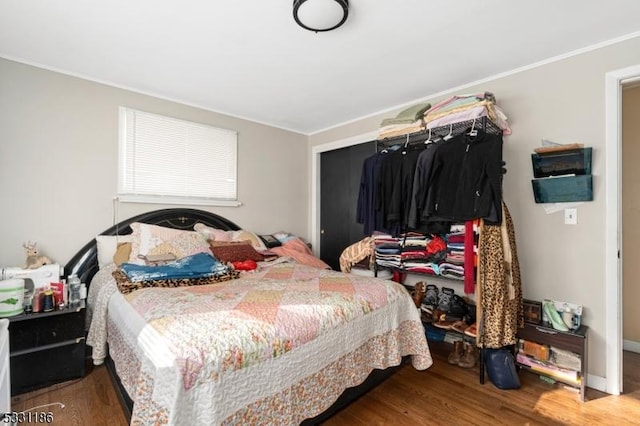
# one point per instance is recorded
(46, 348)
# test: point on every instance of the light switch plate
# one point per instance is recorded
(571, 216)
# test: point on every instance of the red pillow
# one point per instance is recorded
(234, 251)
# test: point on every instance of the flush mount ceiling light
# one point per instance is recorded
(320, 15)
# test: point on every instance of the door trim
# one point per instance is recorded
(613, 224)
(314, 226)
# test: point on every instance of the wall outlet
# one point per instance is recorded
(570, 216)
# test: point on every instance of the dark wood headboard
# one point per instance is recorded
(85, 262)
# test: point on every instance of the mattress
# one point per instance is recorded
(272, 347)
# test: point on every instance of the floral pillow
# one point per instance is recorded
(154, 239)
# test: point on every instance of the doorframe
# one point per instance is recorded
(614, 80)
(316, 151)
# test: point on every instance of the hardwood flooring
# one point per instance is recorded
(442, 395)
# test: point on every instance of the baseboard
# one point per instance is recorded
(630, 345)
(596, 382)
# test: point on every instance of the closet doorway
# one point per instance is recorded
(631, 229)
(340, 171)
(615, 234)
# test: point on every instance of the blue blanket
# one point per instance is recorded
(200, 265)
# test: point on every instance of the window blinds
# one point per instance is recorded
(167, 158)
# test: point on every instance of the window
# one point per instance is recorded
(166, 160)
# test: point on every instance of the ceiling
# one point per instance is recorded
(249, 59)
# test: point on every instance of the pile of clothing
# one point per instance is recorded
(439, 255)
(466, 107)
(407, 121)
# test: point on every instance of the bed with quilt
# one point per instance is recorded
(198, 341)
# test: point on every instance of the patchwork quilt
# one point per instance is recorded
(274, 346)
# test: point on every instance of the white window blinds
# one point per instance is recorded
(166, 160)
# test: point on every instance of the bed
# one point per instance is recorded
(284, 344)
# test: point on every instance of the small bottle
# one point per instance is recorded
(74, 290)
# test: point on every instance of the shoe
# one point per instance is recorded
(470, 310)
(444, 324)
(554, 317)
(456, 353)
(437, 314)
(444, 299)
(431, 298)
(459, 326)
(427, 310)
(457, 306)
(419, 291)
(469, 357)
(472, 330)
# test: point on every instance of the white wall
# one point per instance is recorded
(562, 101)
(59, 153)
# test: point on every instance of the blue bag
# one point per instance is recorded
(501, 368)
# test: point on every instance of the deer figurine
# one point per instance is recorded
(33, 259)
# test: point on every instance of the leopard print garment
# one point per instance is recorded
(499, 290)
(126, 286)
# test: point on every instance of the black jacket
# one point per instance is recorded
(466, 179)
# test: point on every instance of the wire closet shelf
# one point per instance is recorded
(481, 124)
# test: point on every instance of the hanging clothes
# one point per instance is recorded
(467, 179)
(368, 210)
(499, 288)
(421, 180)
(397, 201)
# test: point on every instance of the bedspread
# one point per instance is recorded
(275, 346)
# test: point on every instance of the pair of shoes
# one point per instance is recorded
(472, 330)
(469, 357)
(449, 322)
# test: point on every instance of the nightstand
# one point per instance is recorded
(46, 348)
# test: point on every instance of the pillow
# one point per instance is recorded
(234, 251)
(107, 246)
(255, 241)
(213, 234)
(123, 252)
(154, 239)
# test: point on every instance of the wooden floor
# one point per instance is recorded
(441, 395)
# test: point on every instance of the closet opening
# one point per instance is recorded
(614, 82)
